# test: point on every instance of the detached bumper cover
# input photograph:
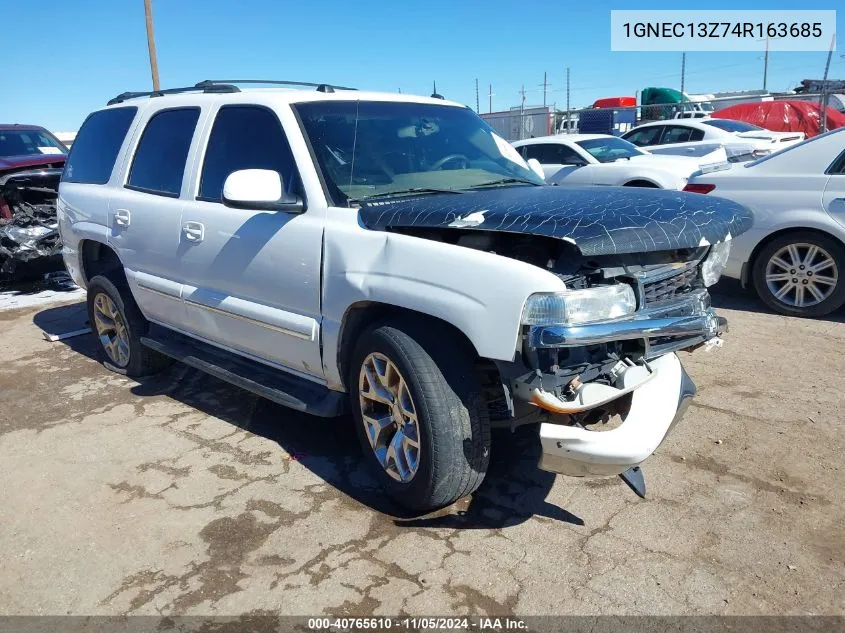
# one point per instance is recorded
(656, 406)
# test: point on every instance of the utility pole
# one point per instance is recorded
(568, 124)
(766, 64)
(490, 98)
(477, 107)
(545, 86)
(823, 98)
(522, 112)
(683, 72)
(151, 44)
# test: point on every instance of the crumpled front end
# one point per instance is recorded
(29, 237)
(610, 390)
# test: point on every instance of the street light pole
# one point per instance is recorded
(151, 44)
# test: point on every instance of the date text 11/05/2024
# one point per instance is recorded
(421, 623)
(722, 29)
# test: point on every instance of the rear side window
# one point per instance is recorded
(245, 137)
(676, 134)
(159, 162)
(96, 146)
(552, 154)
(838, 166)
(644, 136)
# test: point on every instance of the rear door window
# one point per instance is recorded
(96, 146)
(159, 163)
(644, 136)
(245, 137)
(552, 154)
(676, 134)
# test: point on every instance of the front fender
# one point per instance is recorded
(479, 293)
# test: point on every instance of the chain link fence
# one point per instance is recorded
(535, 121)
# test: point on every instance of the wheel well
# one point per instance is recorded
(362, 315)
(749, 266)
(97, 259)
(641, 183)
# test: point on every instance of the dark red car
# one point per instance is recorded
(31, 162)
(26, 146)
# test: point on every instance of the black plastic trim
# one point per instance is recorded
(275, 385)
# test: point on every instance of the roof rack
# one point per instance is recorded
(203, 86)
(275, 82)
(222, 86)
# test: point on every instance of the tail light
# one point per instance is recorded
(699, 188)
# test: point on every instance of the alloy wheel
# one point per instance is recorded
(389, 417)
(111, 330)
(801, 275)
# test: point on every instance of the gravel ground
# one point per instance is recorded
(183, 495)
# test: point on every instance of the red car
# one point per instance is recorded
(27, 146)
(31, 162)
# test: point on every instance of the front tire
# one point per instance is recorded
(801, 274)
(419, 414)
(118, 326)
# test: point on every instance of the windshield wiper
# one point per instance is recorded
(402, 192)
(505, 181)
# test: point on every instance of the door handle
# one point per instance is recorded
(194, 231)
(122, 217)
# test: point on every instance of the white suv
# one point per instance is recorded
(335, 250)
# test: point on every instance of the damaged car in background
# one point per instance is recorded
(398, 259)
(31, 162)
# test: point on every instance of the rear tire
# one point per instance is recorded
(782, 284)
(118, 325)
(441, 410)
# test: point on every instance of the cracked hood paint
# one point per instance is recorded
(598, 220)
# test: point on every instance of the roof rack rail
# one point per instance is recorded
(204, 86)
(275, 82)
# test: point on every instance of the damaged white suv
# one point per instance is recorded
(390, 255)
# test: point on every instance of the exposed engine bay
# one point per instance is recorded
(578, 384)
(29, 236)
(559, 256)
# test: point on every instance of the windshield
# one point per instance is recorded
(732, 126)
(370, 148)
(29, 143)
(607, 150)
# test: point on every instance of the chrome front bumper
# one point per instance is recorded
(656, 406)
(679, 325)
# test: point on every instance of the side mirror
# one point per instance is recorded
(535, 166)
(259, 189)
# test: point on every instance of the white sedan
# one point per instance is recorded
(741, 140)
(601, 159)
(794, 255)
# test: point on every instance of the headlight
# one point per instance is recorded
(715, 263)
(579, 306)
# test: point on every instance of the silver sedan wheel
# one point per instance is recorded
(389, 416)
(111, 330)
(801, 275)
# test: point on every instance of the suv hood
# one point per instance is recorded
(597, 220)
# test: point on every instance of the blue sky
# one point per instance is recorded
(64, 58)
